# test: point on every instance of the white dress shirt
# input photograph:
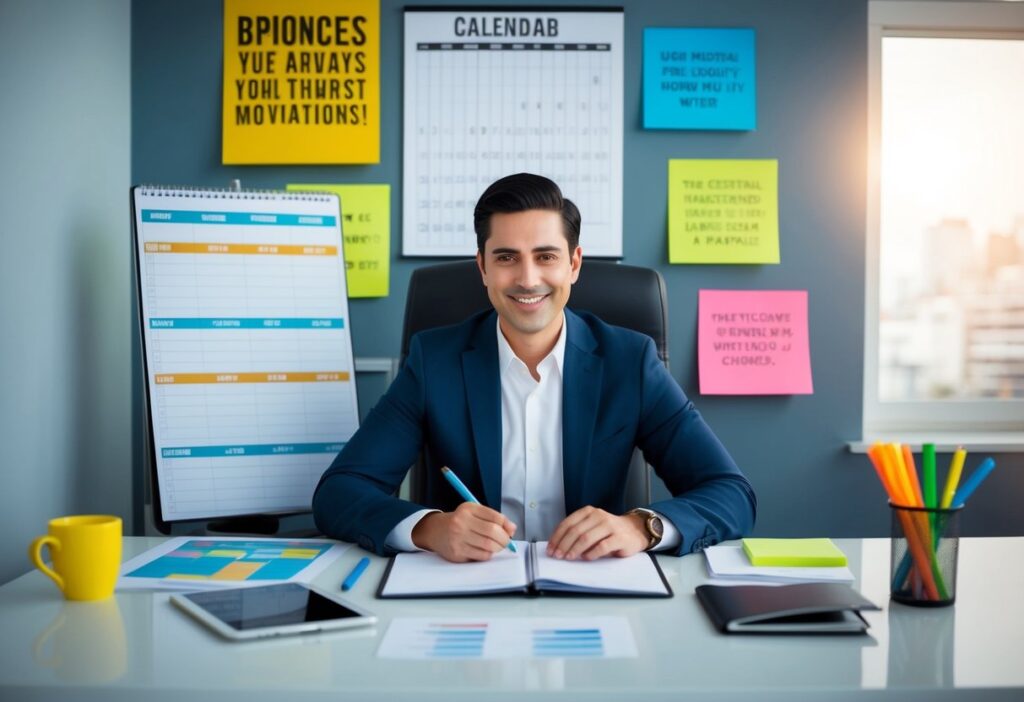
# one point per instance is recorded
(532, 485)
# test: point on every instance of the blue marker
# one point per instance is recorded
(972, 483)
(464, 492)
(350, 581)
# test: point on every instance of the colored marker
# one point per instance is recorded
(876, 454)
(350, 581)
(908, 464)
(956, 465)
(928, 473)
(465, 494)
(972, 483)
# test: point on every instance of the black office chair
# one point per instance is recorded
(626, 296)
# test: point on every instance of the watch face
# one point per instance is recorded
(655, 526)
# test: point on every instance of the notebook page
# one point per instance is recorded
(425, 573)
(636, 574)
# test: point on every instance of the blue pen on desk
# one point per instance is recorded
(350, 581)
(464, 492)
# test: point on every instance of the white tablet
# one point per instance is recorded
(271, 610)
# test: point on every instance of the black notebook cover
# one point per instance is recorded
(804, 608)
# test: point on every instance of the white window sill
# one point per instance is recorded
(947, 441)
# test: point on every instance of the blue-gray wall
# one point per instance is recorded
(65, 321)
(812, 117)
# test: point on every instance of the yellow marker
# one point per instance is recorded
(956, 465)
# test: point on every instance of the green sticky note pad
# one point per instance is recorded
(793, 552)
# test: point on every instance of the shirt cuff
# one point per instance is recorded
(671, 538)
(400, 538)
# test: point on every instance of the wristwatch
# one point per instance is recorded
(653, 525)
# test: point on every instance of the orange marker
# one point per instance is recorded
(915, 484)
(875, 454)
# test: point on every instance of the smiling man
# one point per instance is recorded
(538, 410)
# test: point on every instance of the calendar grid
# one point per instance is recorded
(480, 110)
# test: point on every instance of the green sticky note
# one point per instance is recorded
(723, 211)
(793, 552)
(366, 229)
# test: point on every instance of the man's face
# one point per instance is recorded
(528, 271)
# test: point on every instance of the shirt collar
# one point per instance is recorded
(506, 355)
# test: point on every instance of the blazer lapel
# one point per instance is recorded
(483, 394)
(581, 390)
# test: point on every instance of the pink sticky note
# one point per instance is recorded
(753, 342)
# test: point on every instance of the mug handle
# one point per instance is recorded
(35, 554)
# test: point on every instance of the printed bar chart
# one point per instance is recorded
(495, 638)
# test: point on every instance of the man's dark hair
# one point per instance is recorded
(521, 192)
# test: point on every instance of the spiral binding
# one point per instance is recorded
(229, 194)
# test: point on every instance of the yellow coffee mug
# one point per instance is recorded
(86, 552)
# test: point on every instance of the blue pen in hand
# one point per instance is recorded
(350, 581)
(464, 492)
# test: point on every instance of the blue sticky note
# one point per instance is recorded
(699, 79)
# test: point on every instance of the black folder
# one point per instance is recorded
(804, 608)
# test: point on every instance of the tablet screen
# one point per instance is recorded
(273, 605)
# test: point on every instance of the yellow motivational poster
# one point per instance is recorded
(723, 211)
(301, 81)
(366, 229)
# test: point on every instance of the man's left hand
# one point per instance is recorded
(590, 533)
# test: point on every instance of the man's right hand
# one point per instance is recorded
(471, 533)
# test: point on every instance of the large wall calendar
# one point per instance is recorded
(247, 348)
(489, 93)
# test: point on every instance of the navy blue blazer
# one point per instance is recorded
(617, 395)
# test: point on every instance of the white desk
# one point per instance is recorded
(137, 647)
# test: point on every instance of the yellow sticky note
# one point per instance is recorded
(793, 552)
(301, 82)
(366, 228)
(723, 211)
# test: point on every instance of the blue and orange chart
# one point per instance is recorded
(247, 348)
(197, 562)
(496, 638)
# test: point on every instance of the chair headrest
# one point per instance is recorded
(627, 296)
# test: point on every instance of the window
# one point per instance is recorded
(944, 343)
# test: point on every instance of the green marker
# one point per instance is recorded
(928, 466)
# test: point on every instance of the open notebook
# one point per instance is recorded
(530, 571)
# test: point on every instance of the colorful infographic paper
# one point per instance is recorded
(301, 81)
(189, 562)
(490, 638)
(699, 79)
(492, 91)
(366, 228)
(723, 211)
(753, 342)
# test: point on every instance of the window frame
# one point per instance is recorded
(959, 420)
